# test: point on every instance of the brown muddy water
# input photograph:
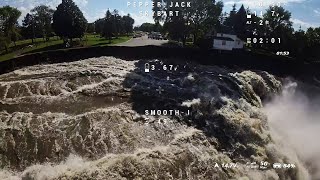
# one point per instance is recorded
(85, 120)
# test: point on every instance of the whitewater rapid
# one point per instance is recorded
(84, 120)
(294, 121)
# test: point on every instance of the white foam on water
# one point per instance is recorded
(295, 123)
(238, 108)
(191, 102)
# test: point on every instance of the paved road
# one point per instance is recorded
(143, 41)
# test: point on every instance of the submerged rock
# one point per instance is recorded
(86, 120)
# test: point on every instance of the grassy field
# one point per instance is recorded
(29, 41)
(26, 47)
(95, 40)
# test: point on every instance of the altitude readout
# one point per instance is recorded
(160, 67)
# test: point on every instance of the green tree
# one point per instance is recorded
(240, 26)
(29, 27)
(117, 23)
(68, 21)
(204, 17)
(15, 35)
(99, 26)
(128, 23)
(109, 26)
(158, 28)
(199, 19)
(313, 43)
(177, 28)
(4, 42)
(313, 36)
(231, 19)
(299, 43)
(42, 16)
(8, 25)
(279, 26)
(279, 20)
(90, 28)
(147, 27)
(236, 22)
(255, 28)
(113, 25)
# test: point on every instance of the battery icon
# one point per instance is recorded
(147, 67)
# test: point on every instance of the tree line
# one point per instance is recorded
(149, 27)
(113, 25)
(8, 26)
(66, 21)
(205, 18)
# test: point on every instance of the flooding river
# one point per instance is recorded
(85, 119)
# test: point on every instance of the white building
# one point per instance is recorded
(227, 42)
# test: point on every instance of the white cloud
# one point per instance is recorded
(317, 12)
(98, 14)
(25, 6)
(304, 24)
(81, 3)
(24, 10)
(138, 18)
(53, 3)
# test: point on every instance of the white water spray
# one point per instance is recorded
(295, 120)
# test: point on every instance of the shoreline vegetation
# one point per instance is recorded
(25, 47)
(47, 28)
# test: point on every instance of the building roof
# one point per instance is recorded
(223, 38)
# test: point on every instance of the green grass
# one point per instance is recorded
(95, 40)
(54, 44)
(29, 41)
(24, 49)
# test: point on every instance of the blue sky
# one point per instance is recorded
(305, 13)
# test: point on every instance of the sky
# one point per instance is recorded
(305, 13)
